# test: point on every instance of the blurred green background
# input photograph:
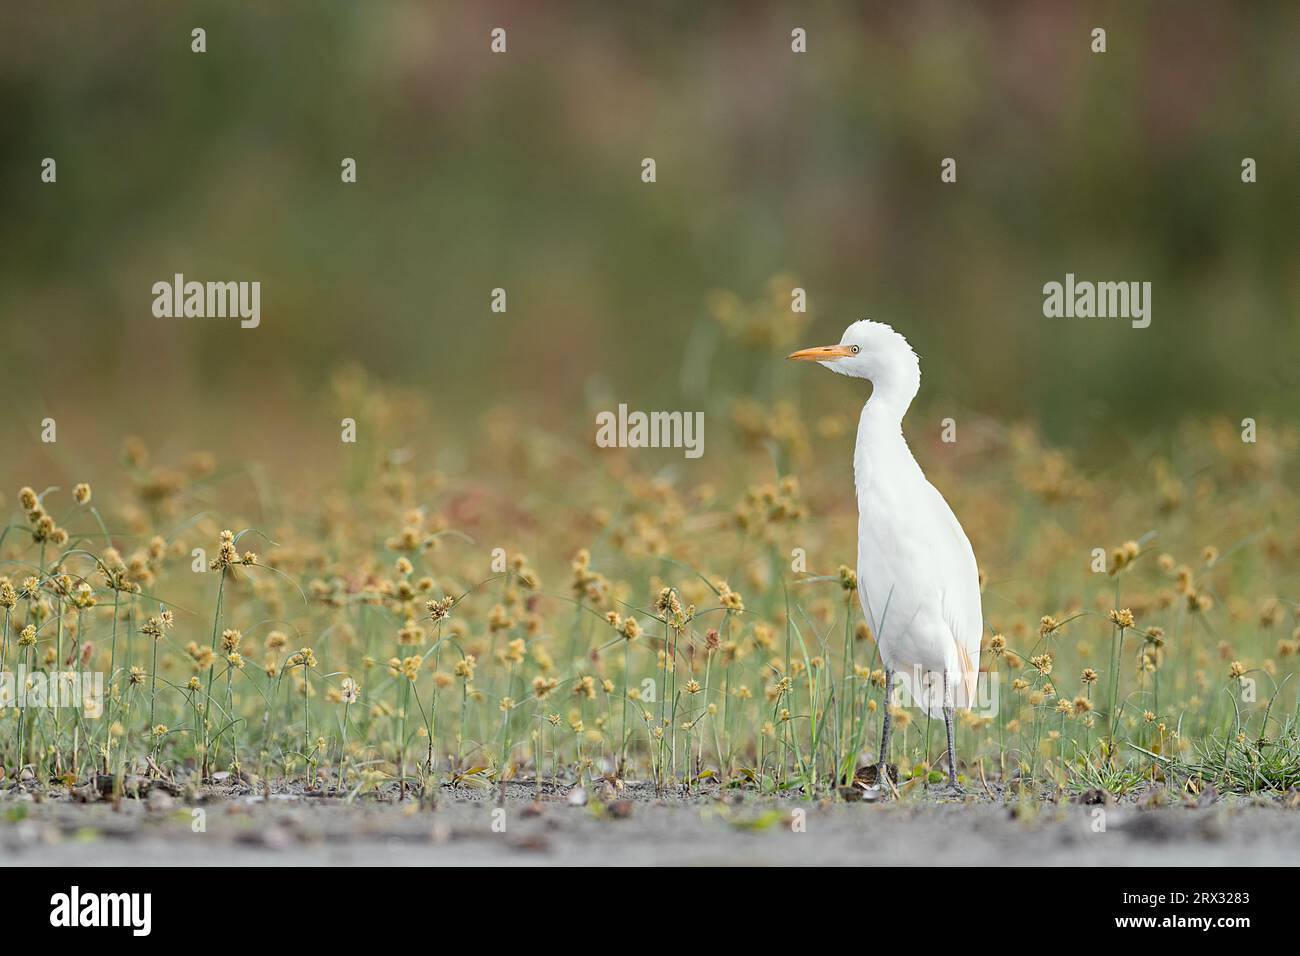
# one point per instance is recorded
(523, 171)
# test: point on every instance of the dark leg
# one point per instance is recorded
(882, 769)
(947, 722)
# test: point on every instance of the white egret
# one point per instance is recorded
(917, 578)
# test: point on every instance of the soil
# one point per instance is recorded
(242, 826)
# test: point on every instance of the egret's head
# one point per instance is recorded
(874, 351)
(870, 350)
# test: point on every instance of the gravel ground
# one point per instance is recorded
(468, 827)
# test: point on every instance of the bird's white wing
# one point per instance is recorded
(960, 593)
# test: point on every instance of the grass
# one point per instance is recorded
(690, 631)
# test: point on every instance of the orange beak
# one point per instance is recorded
(822, 353)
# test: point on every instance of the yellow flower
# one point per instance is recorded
(304, 658)
(1122, 618)
(408, 667)
(440, 610)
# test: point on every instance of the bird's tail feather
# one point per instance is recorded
(967, 680)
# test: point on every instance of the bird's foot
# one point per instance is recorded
(952, 790)
(882, 786)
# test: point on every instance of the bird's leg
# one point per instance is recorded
(882, 769)
(947, 723)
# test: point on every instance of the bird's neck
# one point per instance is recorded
(881, 452)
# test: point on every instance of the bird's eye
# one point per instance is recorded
(855, 350)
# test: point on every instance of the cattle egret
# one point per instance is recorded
(917, 579)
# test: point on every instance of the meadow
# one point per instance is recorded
(556, 615)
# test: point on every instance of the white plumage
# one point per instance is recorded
(917, 577)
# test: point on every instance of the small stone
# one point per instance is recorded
(532, 843)
(272, 838)
(1093, 798)
(250, 779)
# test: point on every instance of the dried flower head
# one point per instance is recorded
(304, 658)
(464, 668)
(1122, 618)
(440, 610)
